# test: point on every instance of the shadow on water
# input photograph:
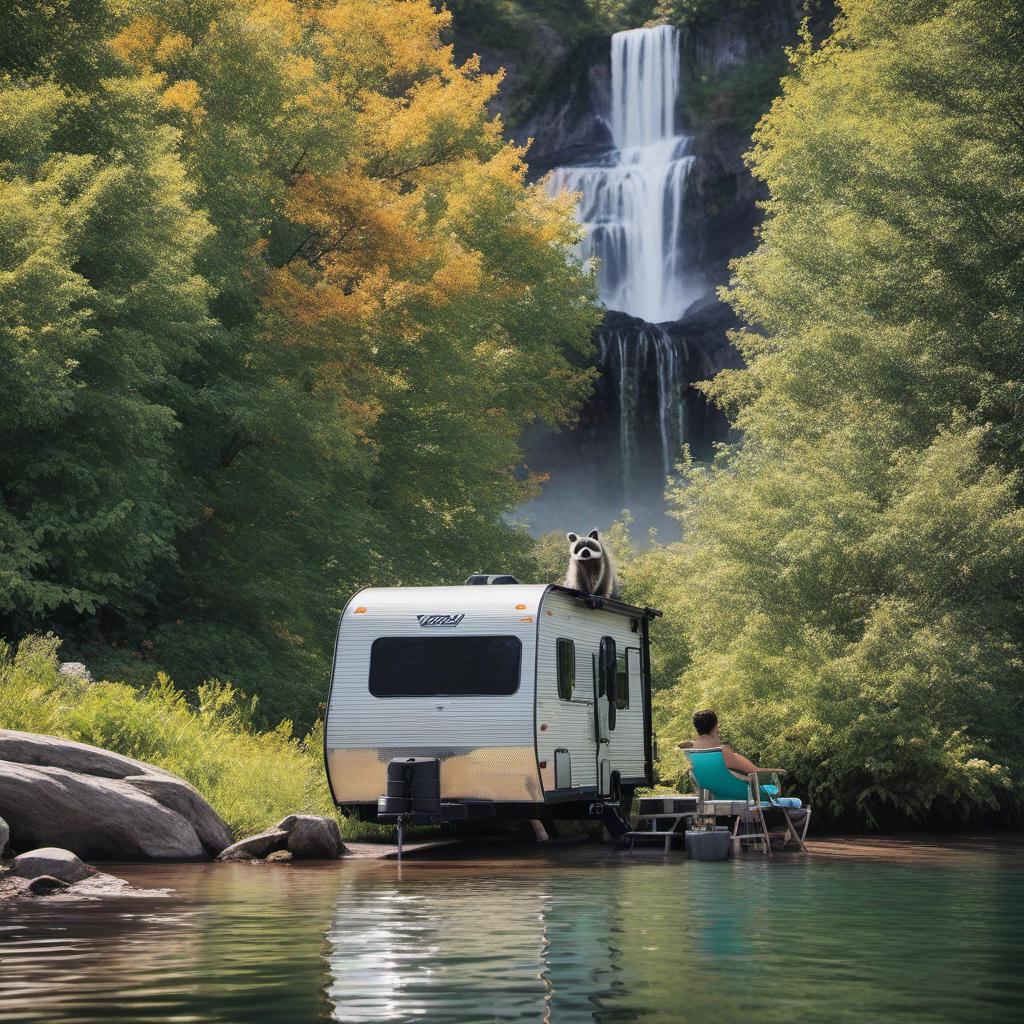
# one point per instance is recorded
(581, 935)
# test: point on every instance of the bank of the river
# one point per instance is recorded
(902, 930)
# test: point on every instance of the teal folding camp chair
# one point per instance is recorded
(721, 793)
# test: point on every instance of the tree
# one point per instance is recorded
(99, 303)
(850, 575)
(389, 308)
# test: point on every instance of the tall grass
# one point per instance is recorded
(252, 778)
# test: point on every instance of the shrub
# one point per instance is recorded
(252, 778)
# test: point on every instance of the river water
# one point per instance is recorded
(581, 935)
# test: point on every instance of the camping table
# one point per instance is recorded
(664, 817)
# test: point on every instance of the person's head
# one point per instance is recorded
(705, 722)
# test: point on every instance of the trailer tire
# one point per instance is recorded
(626, 800)
(615, 788)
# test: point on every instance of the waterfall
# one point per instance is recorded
(632, 202)
(645, 82)
(632, 208)
(630, 357)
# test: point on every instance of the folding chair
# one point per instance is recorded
(721, 793)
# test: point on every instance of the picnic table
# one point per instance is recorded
(664, 817)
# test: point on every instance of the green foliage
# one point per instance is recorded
(616, 15)
(687, 13)
(251, 778)
(849, 583)
(737, 96)
(276, 306)
(99, 303)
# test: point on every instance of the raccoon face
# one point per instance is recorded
(585, 549)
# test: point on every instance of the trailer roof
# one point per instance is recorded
(610, 603)
(491, 594)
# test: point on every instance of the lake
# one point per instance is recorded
(898, 932)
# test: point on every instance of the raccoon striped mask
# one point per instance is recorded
(591, 567)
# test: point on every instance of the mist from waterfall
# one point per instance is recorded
(632, 208)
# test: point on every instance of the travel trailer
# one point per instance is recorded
(494, 700)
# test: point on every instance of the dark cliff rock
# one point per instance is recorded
(732, 63)
(569, 125)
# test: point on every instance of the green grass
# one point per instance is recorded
(252, 778)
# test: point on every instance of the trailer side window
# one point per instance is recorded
(633, 669)
(622, 681)
(444, 666)
(565, 651)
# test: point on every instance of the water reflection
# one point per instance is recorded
(430, 947)
(586, 937)
(678, 942)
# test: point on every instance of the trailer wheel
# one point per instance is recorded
(626, 800)
(622, 795)
(615, 788)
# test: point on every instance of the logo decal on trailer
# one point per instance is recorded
(440, 620)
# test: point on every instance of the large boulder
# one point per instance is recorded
(53, 862)
(100, 804)
(179, 796)
(53, 752)
(313, 838)
(97, 818)
(299, 836)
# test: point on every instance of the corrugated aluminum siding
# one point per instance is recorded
(360, 723)
(571, 723)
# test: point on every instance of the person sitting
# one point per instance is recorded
(706, 725)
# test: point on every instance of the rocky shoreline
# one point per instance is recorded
(63, 802)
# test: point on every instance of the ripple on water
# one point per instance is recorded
(574, 938)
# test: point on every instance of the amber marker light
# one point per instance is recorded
(526, 618)
(520, 607)
(360, 611)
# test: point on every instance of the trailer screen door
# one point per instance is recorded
(444, 666)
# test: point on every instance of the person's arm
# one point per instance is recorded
(737, 762)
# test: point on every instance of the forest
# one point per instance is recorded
(278, 303)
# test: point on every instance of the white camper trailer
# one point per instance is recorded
(535, 701)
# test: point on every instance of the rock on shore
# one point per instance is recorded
(53, 872)
(96, 803)
(301, 836)
(51, 861)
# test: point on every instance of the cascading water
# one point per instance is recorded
(632, 356)
(632, 205)
(632, 208)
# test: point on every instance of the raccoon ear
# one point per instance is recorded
(592, 534)
(572, 538)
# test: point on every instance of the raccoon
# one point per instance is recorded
(591, 567)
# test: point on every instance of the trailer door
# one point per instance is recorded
(604, 712)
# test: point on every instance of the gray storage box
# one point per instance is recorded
(708, 844)
(668, 803)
